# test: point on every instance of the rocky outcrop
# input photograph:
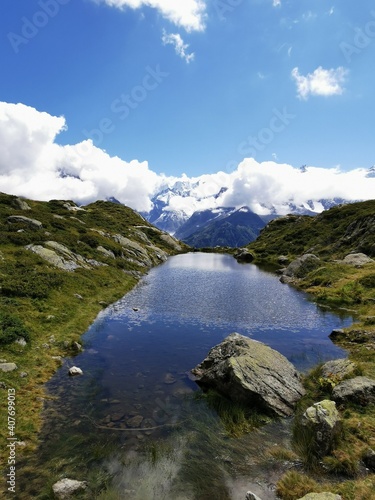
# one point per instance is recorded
(32, 223)
(320, 425)
(358, 390)
(300, 267)
(20, 204)
(66, 488)
(249, 372)
(338, 369)
(357, 259)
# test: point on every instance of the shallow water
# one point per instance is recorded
(133, 417)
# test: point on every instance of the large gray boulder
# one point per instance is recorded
(66, 488)
(357, 259)
(320, 425)
(33, 223)
(358, 390)
(300, 267)
(249, 372)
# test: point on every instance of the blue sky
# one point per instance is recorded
(290, 81)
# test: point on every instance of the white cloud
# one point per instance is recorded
(189, 14)
(179, 46)
(276, 3)
(33, 165)
(322, 82)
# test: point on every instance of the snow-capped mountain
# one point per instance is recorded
(186, 206)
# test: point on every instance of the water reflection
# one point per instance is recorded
(135, 401)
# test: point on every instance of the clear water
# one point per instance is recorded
(135, 397)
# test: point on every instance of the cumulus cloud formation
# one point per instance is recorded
(189, 14)
(179, 46)
(322, 82)
(34, 165)
(260, 185)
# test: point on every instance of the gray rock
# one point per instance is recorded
(8, 367)
(66, 488)
(321, 496)
(247, 371)
(21, 341)
(21, 204)
(358, 390)
(251, 496)
(338, 369)
(322, 424)
(23, 374)
(105, 252)
(369, 460)
(74, 370)
(170, 241)
(357, 259)
(52, 257)
(33, 223)
(300, 267)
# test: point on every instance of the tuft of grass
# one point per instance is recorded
(294, 485)
(237, 419)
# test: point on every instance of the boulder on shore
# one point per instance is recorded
(300, 267)
(358, 390)
(249, 372)
(321, 424)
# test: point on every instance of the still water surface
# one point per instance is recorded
(137, 355)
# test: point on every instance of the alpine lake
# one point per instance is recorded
(135, 426)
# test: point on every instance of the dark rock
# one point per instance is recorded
(322, 424)
(369, 460)
(249, 372)
(244, 255)
(358, 390)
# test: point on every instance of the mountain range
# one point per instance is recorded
(202, 221)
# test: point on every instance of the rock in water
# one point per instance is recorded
(247, 371)
(74, 370)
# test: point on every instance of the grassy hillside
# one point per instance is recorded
(59, 265)
(331, 236)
